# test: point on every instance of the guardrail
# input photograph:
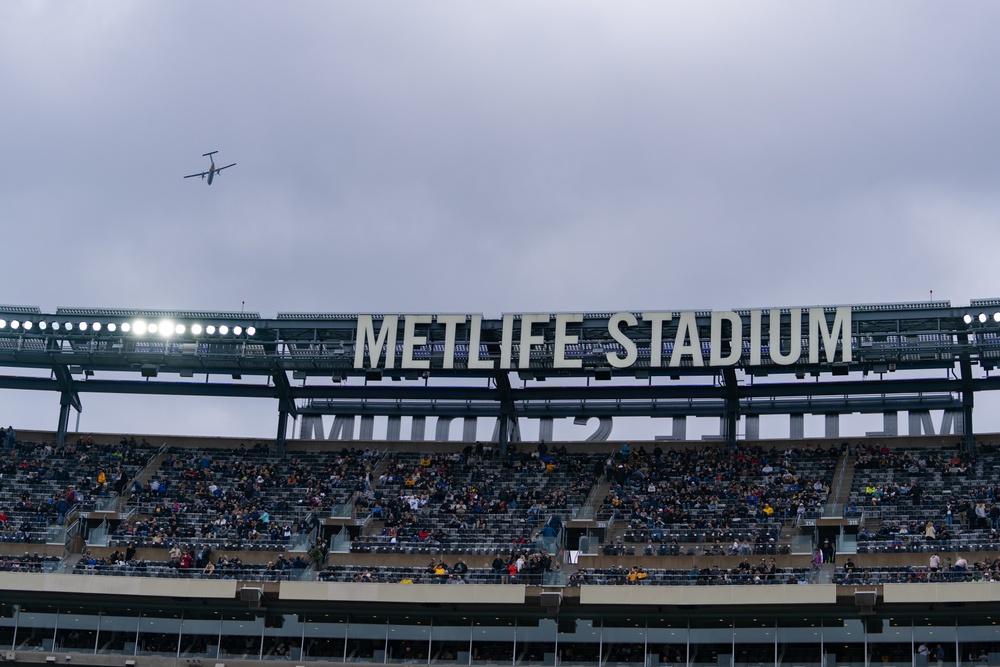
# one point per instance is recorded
(99, 536)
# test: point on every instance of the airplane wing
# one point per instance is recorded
(202, 174)
(226, 167)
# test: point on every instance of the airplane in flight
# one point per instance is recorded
(213, 170)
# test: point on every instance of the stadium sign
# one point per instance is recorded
(666, 339)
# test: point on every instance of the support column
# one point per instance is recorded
(969, 439)
(968, 397)
(65, 403)
(503, 436)
(731, 419)
(279, 440)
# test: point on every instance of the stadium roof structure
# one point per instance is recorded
(829, 359)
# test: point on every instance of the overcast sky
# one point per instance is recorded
(489, 157)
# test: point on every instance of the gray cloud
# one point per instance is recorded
(509, 156)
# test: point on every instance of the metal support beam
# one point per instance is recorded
(64, 407)
(286, 406)
(281, 438)
(732, 416)
(508, 414)
(68, 398)
(968, 396)
(64, 381)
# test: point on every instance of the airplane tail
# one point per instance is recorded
(209, 154)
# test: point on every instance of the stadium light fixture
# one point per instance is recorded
(27, 325)
(166, 328)
(43, 325)
(112, 327)
(96, 326)
(139, 327)
(982, 318)
(179, 329)
(967, 319)
(152, 327)
(223, 330)
(210, 329)
(126, 327)
(14, 324)
(83, 326)
(237, 330)
(68, 326)
(252, 331)
(196, 329)
(55, 326)
(3, 324)
(996, 317)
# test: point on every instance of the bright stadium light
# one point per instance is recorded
(196, 329)
(982, 318)
(237, 330)
(179, 329)
(967, 319)
(252, 331)
(3, 324)
(83, 326)
(166, 328)
(14, 324)
(126, 327)
(43, 325)
(223, 330)
(210, 329)
(27, 325)
(55, 326)
(996, 317)
(96, 326)
(139, 327)
(112, 326)
(68, 326)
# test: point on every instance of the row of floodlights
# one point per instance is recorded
(982, 317)
(164, 328)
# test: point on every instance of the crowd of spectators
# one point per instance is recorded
(27, 563)
(927, 499)
(710, 494)
(518, 566)
(43, 483)
(707, 501)
(191, 563)
(243, 498)
(464, 500)
(937, 570)
(745, 573)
